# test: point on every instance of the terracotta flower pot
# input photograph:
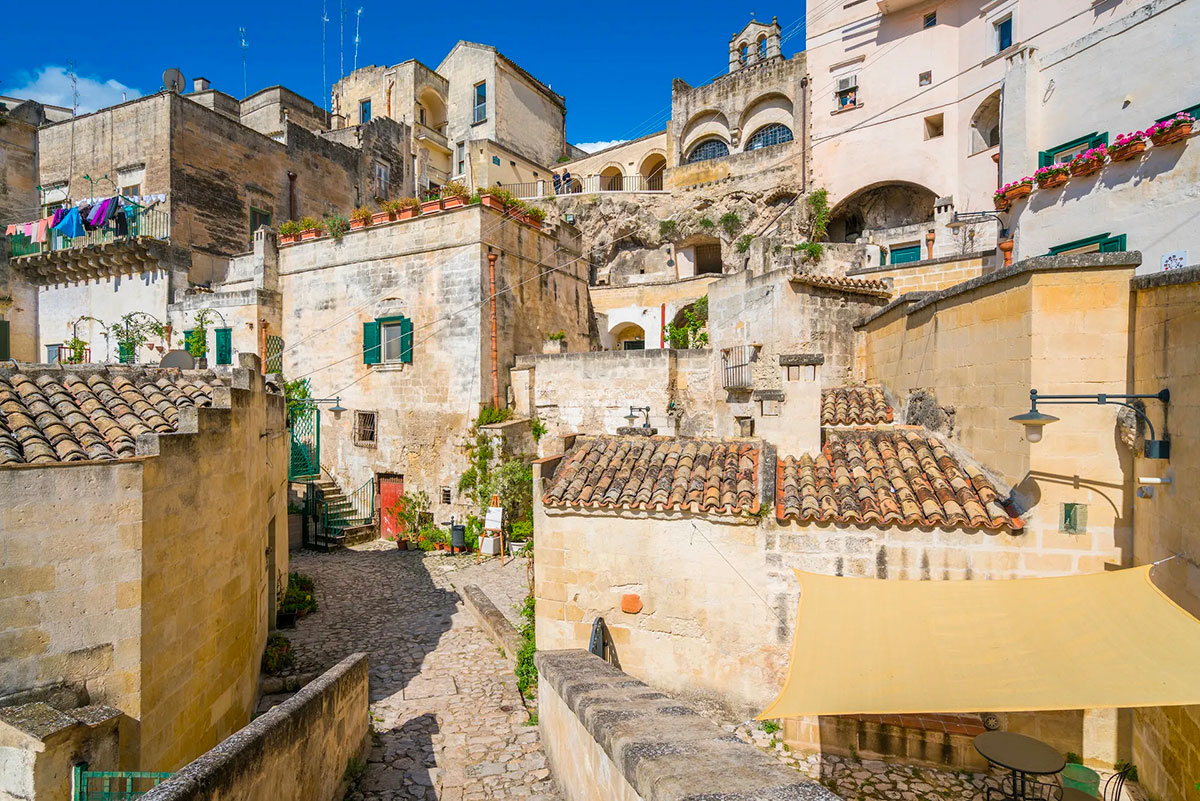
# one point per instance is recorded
(1019, 191)
(431, 206)
(1058, 179)
(356, 224)
(453, 202)
(1172, 134)
(290, 238)
(533, 221)
(309, 233)
(1001, 202)
(491, 202)
(1086, 168)
(1129, 151)
(408, 214)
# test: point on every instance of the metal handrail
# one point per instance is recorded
(152, 223)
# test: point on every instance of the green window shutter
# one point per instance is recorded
(186, 333)
(371, 342)
(1114, 244)
(906, 254)
(1102, 139)
(1044, 158)
(4, 352)
(224, 345)
(406, 340)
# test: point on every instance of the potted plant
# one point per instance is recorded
(535, 216)
(1051, 176)
(389, 211)
(289, 231)
(310, 228)
(454, 195)
(361, 218)
(1019, 188)
(1128, 146)
(409, 207)
(1089, 161)
(1000, 200)
(1171, 129)
(556, 342)
(432, 203)
(336, 226)
(489, 198)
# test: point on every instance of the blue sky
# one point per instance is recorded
(613, 62)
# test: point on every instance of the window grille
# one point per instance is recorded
(274, 360)
(364, 429)
(773, 134)
(707, 150)
(445, 495)
(736, 362)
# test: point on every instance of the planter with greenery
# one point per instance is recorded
(1019, 188)
(535, 216)
(361, 218)
(311, 228)
(289, 231)
(1088, 162)
(1128, 146)
(431, 203)
(299, 597)
(556, 342)
(490, 198)
(389, 211)
(409, 207)
(336, 226)
(1051, 176)
(1000, 200)
(454, 195)
(1172, 129)
(278, 656)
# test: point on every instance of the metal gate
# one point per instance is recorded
(304, 426)
(273, 363)
(114, 785)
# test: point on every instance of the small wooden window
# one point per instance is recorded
(364, 429)
(445, 495)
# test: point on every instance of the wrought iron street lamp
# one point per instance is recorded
(1034, 421)
(631, 418)
(336, 408)
(962, 219)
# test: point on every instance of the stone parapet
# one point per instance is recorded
(608, 735)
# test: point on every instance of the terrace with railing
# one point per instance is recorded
(152, 223)
(590, 185)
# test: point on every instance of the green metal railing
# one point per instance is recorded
(153, 223)
(114, 785)
(304, 425)
(357, 509)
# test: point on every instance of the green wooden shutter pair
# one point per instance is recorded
(371, 354)
(372, 341)
(1105, 243)
(4, 345)
(1094, 139)
(224, 345)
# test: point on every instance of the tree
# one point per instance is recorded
(693, 333)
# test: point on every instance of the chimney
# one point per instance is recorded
(199, 84)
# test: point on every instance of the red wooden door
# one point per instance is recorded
(391, 491)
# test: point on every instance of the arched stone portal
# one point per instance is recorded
(880, 206)
(651, 171)
(628, 336)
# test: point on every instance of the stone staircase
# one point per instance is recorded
(344, 525)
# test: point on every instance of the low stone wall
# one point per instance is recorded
(298, 750)
(608, 736)
(930, 275)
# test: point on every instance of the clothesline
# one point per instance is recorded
(75, 221)
(143, 201)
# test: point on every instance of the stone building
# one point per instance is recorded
(406, 342)
(478, 118)
(145, 546)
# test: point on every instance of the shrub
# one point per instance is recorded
(289, 228)
(521, 531)
(731, 222)
(278, 655)
(362, 215)
(706, 223)
(537, 213)
(455, 189)
(336, 225)
(538, 429)
(474, 199)
(667, 228)
(557, 336)
(812, 250)
(769, 726)
(299, 596)
(743, 243)
(490, 414)
(311, 224)
(526, 670)
(392, 207)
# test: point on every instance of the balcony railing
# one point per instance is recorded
(153, 223)
(736, 370)
(438, 137)
(588, 185)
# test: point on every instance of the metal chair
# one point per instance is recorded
(1115, 784)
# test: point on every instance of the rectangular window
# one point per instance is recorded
(391, 336)
(935, 126)
(1101, 243)
(1064, 153)
(925, 78)
(364, 429)
(364, 112)
(52, 354)
(1074, 518)
(4, 346)
(224, 345)
(421, 114)
(902, 254)
(496, 160)
(480, 102)
(258, 218)
(462, 158)
(383, 179)
(930, 20)
(1004, 33)
(847, 92)
(133, 190)
(445, 495)
(388, 340)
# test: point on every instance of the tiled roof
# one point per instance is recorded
(70, 416)
(634, 472)
(892, 477)
(854, 406)
(861, 286)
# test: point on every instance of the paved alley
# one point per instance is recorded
(450, 723)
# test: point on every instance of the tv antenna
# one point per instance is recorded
(245, 87)
(342, 40)
(357, 25)
(324, 80)
(74, 89)
(173, 80)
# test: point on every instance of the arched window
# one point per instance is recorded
(708, 149)
(985, 124)
(745, 53)
(773, 134)
(762, 47)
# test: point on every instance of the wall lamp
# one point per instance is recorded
(961, 219)
(336, 408)
(631, 418)
(1034, 421)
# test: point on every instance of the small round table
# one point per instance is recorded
(1020, 754)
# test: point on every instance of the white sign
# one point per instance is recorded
(1174, 260)
(494, 518)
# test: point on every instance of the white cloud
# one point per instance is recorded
(53, 87)
(592, 147)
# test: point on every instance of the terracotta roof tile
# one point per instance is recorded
(854, 406)
(67, 416)
(634, 472)
(860, 286)
(889, 477)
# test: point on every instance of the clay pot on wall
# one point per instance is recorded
(409, 213)
(1172, 134)
(1019, 191)
(1001, 202)
(453, 202)
(431, 206)
(1129, 151)
(1083, 168)
(491, 202)
(1058, 179)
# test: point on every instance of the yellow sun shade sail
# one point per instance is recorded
(874, 646)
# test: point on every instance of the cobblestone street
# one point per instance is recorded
(449, 721)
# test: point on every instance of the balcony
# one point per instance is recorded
(138, 245)
(590, 185)
(736, 370)
(432, 136)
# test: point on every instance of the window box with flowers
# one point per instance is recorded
(1019, 188)
(1089, 161)
(1052, 176)
(361, 218)
(1128, 146)
(1000, 200)
(454, 195)
(1171, 129)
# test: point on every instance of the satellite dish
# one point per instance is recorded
(178, 358)
(173, 80)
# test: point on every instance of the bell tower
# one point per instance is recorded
(754, 44)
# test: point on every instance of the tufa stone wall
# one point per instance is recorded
(298, 750)
(931, 274)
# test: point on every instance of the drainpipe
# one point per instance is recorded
(291, 195)
(389, 97)
(495, 358)
(662, 328)
(804, 134)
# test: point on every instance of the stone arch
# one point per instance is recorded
(626, 335)
(762, 46)
(612, 178)
(706, 124)
(653, 165)
(435, 108)
(743, 51)
(765, 109)
(985, 124)
(886, 204)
